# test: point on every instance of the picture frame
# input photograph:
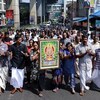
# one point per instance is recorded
(49, 54)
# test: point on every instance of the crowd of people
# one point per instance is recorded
(79, 57)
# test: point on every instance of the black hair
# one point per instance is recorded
(17, 37)
(6, 33)
(84, 36)
(69, 43)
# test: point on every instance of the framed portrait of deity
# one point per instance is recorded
(49, 54)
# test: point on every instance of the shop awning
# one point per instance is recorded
(96, 14)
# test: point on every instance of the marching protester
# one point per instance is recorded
(37, 74)
(84, 52)
(58, 73)
(96, 71)
(3, 64)
(95, 45)
(76, 42)
(66, 38)
(18, 51)
(28, 61)
(7, 39)
(26, 39)
(69, 66)
(76, 55)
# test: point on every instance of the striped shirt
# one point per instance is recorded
(97, 65)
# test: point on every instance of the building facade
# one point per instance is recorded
(35, 10)
(2, 12)
(82, 11)
(97, 5)
(54, 11)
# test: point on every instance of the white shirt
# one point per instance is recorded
(36, 38)
(95, 46)
(85, 62)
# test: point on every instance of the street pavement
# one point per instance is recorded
(64, 93)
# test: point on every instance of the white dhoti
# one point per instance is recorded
(77, 67)
(3, 77)
(85, 75)
(17, 78)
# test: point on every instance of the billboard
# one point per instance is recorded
(9, 18)
(92, 3)
(89, 3)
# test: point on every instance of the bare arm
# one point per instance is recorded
(34, 56)
(10, 54)
(81, 55)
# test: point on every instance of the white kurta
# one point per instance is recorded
(3, 77)
(17, 78)
(85, 65)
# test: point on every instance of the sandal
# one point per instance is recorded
(73, 91)
(55, 90)
(81, 93)
(40, 95)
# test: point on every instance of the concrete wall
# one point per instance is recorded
(33, 12)
(14, 5)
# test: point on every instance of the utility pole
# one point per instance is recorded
(33, 12)
(41, 7)
(72, 14)
(44, 7)
(65, 2)
(87, 6)
(88, 22)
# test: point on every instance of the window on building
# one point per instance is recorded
(5, 1)
(49, 8)
(0, 6)
(98, 1)
(54, 8)
(4, 6)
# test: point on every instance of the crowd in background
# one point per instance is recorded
(79, 57)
